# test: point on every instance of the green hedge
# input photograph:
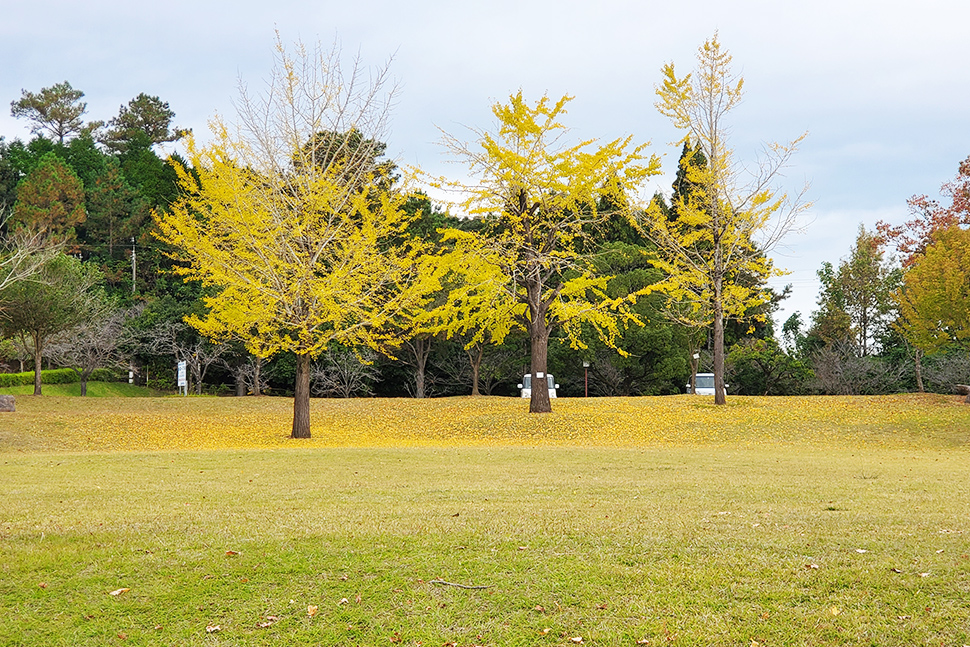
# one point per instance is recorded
(54, 376)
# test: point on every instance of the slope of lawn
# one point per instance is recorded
(95, 390)
(48, 423)
(654, 521)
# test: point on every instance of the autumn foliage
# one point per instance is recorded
(50, 200)
(935, 249)
(935, 300)
(149, 424)
(539, 197)
(713, 253)
(301, 243)
(928, 216)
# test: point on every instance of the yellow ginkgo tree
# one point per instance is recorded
(291, 221)
(713, 251)
(541, 200)
(934, 302)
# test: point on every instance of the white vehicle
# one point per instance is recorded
(704, 384)
(526, 386)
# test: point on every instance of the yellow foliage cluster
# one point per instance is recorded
(540, 199)
(149, 424)
(934, 300)
(723, 225)
(298, 259)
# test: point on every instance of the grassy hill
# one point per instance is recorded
(52, 422)
(95, 390)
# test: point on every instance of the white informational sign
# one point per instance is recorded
(181, 375)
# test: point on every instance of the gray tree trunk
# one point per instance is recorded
(301, 398)
(38, 362)
(475, 359)
(720, 396)
(539, 343)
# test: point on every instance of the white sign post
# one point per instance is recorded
(182, 381)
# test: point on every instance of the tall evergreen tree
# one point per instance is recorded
(56, 110)
(856, 302)
(145, 118)
(50, 200)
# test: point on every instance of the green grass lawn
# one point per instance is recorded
(850, 534)
(95, 390)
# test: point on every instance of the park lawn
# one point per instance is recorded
(95, 390)
(659, 521)
(50, 423)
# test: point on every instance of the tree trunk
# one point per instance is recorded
(539, 343)
(301, 398)
(420, 347)
(85, 376)
(919, 371)
(475, 359)
(538, 340)
(38, 358)
(719, 394)
(419, 382)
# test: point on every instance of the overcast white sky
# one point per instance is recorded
(882, 88)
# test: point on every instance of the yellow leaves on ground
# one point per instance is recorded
(140, 424)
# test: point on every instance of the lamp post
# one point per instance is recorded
(586, 377)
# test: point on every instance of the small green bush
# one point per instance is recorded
(106, 375)
(17, 379)
(57, 376)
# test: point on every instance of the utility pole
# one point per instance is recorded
(132, 264)
(131, 364)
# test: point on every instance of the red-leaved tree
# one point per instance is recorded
(913, 237)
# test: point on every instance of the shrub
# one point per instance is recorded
(54, 376)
